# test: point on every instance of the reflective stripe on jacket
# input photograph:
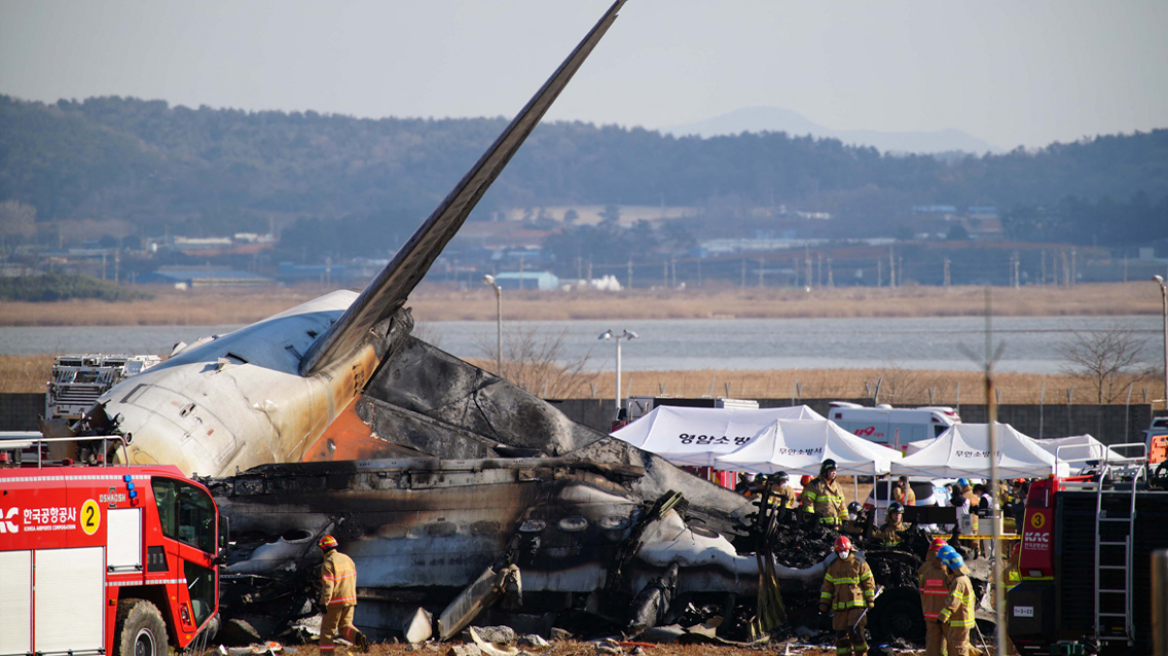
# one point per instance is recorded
(958, 610)
(338, 580)
(889, 534)
(825, 500)
(934, 588)
(847, 584)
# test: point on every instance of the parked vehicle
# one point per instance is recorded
(893, 427)
(1158, 428)
(118, 560)
(1085, 562)
(928, 491)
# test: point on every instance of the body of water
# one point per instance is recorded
(1031, 343)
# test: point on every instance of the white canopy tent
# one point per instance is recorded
(697, 436)
(800, 447)
(963, 451)
(1078, 449)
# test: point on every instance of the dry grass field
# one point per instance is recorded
(898, 386)
(29, 373)
(433, 303)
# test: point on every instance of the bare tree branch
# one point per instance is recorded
(536, 361)
(1110, 358)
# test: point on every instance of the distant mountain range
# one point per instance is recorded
(776, 119)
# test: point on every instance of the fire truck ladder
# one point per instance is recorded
(1105, 630)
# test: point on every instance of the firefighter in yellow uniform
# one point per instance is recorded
(338, 594)
(1012, 576)
(889, 535)
(934, 592)
(824, 498)
(780, 492)
(849, 590)
(903, 492)
(957, 615)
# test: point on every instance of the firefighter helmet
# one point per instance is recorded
(855, 507)
(950, 558)
(827, 464)
(895, 507)
(780, 477)
(328, 542)
(842, 544)
(938, 544)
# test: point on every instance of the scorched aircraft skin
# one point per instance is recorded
(473, 472)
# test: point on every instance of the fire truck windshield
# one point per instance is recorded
(186, 513)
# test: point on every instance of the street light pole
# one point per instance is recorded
(490, 280)
(1164, 301)
(608, 334)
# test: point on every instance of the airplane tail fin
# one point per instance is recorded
(389, 289)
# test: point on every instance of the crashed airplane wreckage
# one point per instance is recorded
(488, 504)
(472, 490)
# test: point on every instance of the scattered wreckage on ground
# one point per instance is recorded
(485, 504)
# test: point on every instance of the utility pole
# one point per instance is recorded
(891, 269)
(819, 269)
(630, 273)
(830, 279)
(879, 272)
(946, 260)
(900, 268)
(1017, 263)
(1074, 268)
(589, 269)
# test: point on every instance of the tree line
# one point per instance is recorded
(215, 171)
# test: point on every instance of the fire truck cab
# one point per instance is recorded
(118, 560)
(1086, 561)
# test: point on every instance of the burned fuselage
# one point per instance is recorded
(420, 530)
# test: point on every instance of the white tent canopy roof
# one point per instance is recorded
(800, 447)
(1078, 448)
(696, 436)
(963, 451)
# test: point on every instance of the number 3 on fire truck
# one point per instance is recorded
(1038, 520)
(90, 517)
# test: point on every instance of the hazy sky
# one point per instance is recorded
(1008, 72)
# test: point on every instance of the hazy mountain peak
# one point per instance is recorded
(777, 119)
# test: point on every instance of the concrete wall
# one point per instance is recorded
(21, 412)
(1105, 422)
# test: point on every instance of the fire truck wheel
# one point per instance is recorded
(140, 629)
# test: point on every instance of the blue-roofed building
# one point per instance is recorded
(204, 277)
(541, 280)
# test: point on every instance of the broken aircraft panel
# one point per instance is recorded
(421, 530)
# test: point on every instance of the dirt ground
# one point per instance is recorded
(560, 648)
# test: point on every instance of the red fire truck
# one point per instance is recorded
(1086, 561)
(117, 560)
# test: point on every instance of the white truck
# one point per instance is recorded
(893, 427)
(78, 380)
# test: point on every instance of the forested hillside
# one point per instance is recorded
(212, 171)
